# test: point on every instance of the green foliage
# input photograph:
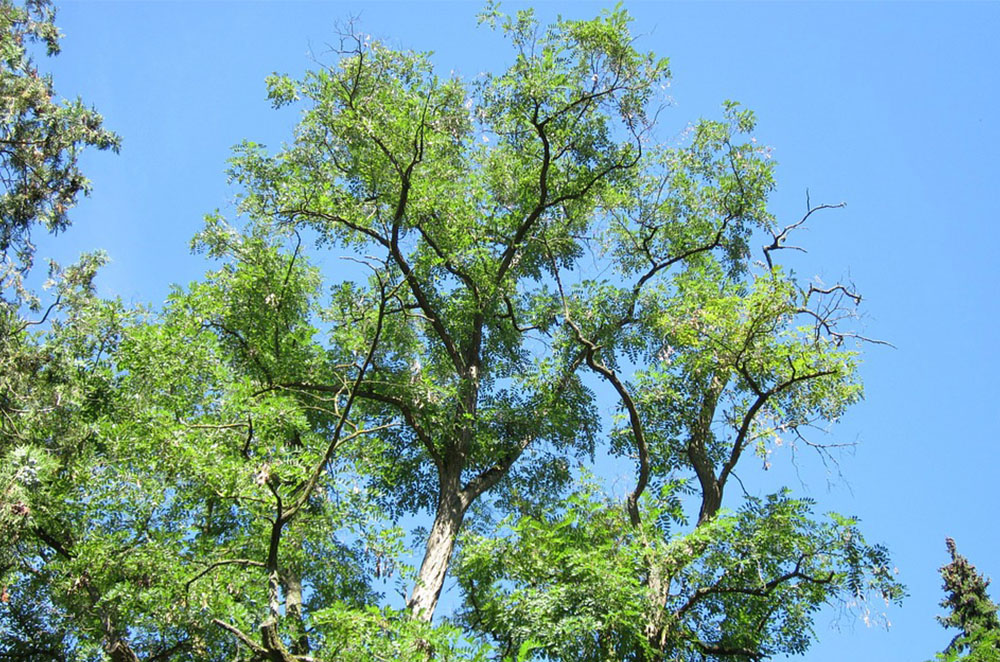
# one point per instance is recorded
(360, 635)
(54, 368)
(745, 585)
(41, 137)
(54, 384)
(568, 586)
(228, 477)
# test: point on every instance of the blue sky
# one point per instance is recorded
(889, 107)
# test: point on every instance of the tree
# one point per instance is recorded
(52, 364)
(41, 137)
(478, 203)
(971, 611)
(261, 436)
(40, 141)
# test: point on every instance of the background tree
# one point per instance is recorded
(54, 380)
(41, 137)
(40, 141)
(971, 611)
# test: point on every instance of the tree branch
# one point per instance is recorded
(762, 397)
(258, 650)
(213, 566)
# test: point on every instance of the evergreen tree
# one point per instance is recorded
(972, 611)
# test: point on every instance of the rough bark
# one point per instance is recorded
(697, 451)
(275, 649)
(659, 587)
(120, 651)
(440, 544)
(292, 585)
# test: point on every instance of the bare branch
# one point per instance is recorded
(292, 213)
(762, 590)
(778, 238)
(835, 288)
(48, 310)
(739, 444)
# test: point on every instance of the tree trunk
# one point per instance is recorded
(701, 436)
(293, 612)
(440, 544)
(119, 651)
(658, 585)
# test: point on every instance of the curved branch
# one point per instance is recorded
(778, 239)
(711, 486)
(638, 433)
(24, 325)
(335, 442)
(335, 218)
(543, 193)
(758, 591)
(217, 564)
(258, 650)
(762, 396)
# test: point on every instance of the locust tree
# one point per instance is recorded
(523, 252)
(477, 207)
(464, 195)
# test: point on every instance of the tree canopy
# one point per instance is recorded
(235, 474)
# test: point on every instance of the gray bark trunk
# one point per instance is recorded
(440, 544)
(293, 612)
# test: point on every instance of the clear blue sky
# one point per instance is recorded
(889, 107)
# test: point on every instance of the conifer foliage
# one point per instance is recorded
(970, 610)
